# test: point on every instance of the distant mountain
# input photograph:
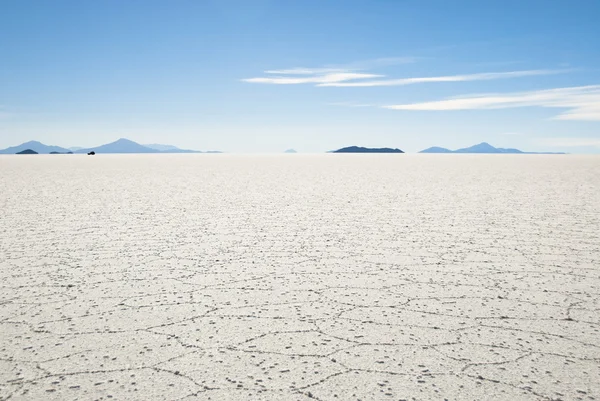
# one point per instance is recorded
(483, 147)
(290, 151)
(358, 149)
(159, 147)
(436, 149)
(27, 152)
(36, 146)
(169, 148)
(120, 146)
(127, 146)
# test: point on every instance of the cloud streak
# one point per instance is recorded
(307, 78)
(349, 77)
(329, 74)
(582, 102)
(487, 76)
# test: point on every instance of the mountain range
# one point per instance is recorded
(119, 146)
(35, 146)
(485, 147)
(127, 146)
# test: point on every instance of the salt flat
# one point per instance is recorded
(297, 277)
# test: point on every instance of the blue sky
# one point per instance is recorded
(267, 75)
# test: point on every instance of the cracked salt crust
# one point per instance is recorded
(327, 277)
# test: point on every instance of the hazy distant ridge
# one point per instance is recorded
(122, 145)
(484, 147)
(170, 148)
(35, 146)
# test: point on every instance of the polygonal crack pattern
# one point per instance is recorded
(298, 278)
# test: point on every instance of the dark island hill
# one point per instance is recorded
(358, 149)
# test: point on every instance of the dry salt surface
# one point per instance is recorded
(298, 277)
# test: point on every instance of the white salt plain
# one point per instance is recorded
(298, 277)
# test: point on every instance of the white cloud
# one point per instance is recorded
(581, 102)
(447, 78)
(329, 74)
(319, 78)
(347, 76)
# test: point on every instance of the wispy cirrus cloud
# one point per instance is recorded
(307, 78)
(329, 74)
(580, 102)
(354, 75)
(486, 76)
